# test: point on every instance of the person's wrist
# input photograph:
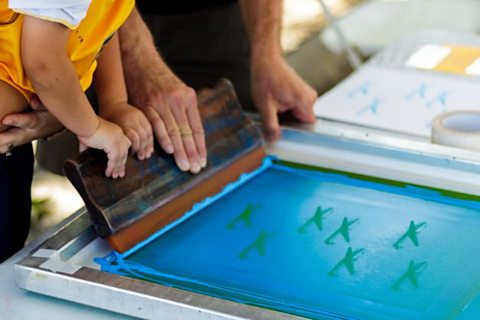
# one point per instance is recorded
(93, 132)
(261, 63)
(265, 51)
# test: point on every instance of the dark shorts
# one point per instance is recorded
(16, 173)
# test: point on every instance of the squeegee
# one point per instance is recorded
(154, 192)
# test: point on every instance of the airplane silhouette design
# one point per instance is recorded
(411, 233)
(350, 257)
(344, 230)
(317, 219)
(361, 89)
(411, 274)
(258, 244)
(245, 216)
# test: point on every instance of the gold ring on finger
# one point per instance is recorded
(185, 131)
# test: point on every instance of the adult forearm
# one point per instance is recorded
(276, 87)
(263, 22)
(140, 58)
(169, 104)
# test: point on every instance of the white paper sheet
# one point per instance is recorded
(404, 101)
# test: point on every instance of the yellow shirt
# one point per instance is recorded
(85, 42)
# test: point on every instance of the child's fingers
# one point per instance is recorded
(150, 145)
(140, 142)
(116, 167)
(117, 159)
(134, 139)
(146, 138)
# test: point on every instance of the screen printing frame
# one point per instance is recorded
(62, 266)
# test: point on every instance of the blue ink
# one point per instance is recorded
(295, 275)
(344, 230)
(267, 163)
(348, 261)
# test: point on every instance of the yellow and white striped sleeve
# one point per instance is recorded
(67, 12)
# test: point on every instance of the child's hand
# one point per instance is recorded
(135, 125)
(110, 138)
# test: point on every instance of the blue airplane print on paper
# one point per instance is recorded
(371, 107)
(343, 230)
(257, 245)
(362, 89)
(411, 233)
(245, 216)
(316, 220)
(414, 269)
(439, 100)
(420, 92)
(348, 262)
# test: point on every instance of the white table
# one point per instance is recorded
(16, 303)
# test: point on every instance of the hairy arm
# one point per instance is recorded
(263, 22)
(276, 87)
(169, 104)
(141, 60)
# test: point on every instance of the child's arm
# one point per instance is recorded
(113, 104)
(53, 76)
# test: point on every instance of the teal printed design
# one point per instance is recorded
(411, 234)
(316, 220)
(343, 230)
(245, 216)
(410, 276)
(348, 262)
(257, 245)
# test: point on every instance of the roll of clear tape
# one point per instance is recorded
(460, 129)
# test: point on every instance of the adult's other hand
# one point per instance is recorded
(28, 126)
(277, 88)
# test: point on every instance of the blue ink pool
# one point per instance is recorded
(314, 243)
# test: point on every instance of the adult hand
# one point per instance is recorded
(277, 88)
(28, 126)
(171, 107)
